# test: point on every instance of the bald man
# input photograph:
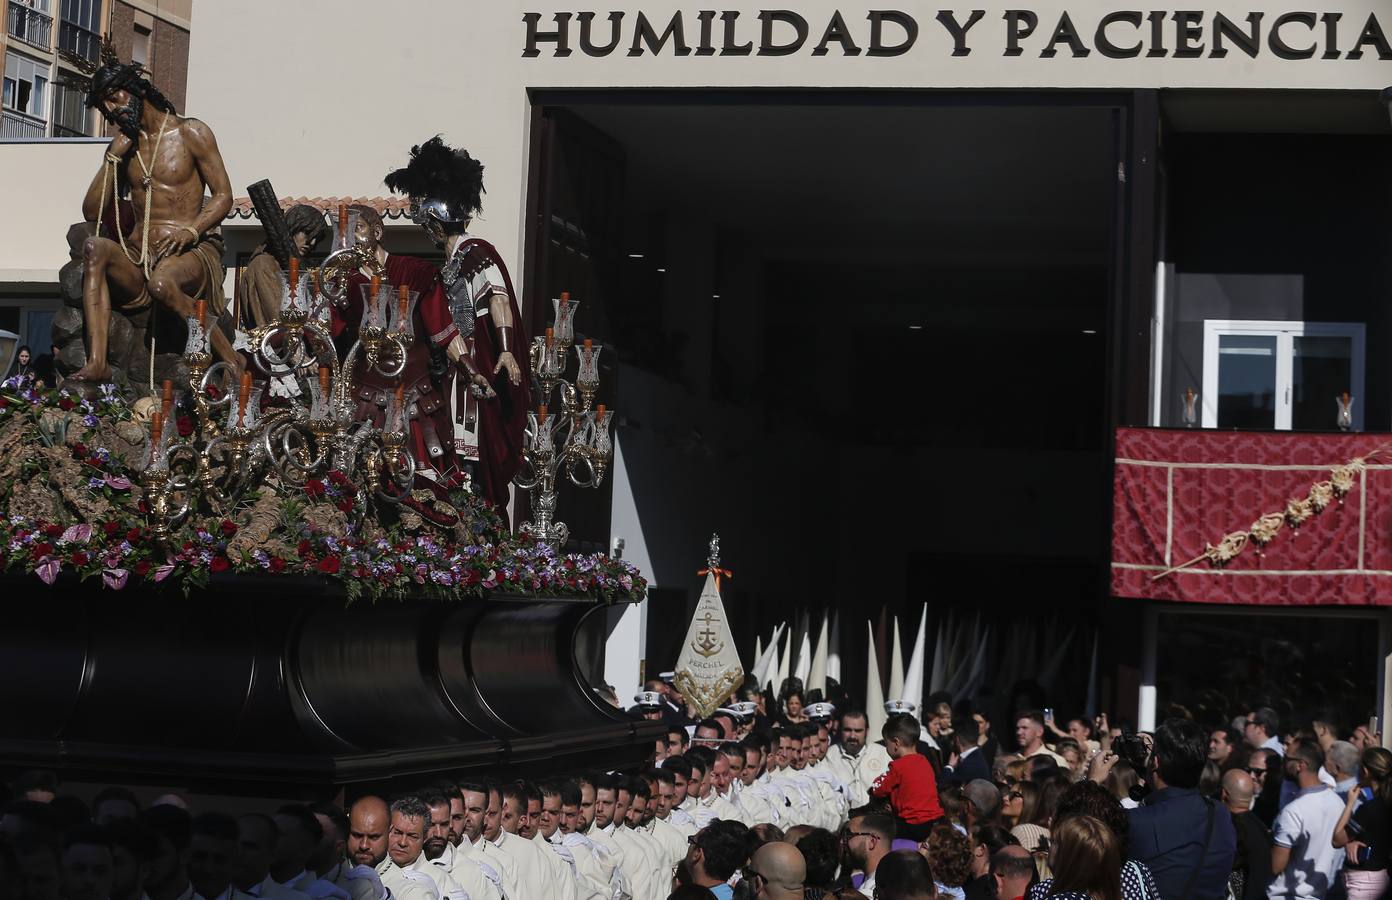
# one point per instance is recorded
(369, 827)
(1012, 869)
(777, 872)
(1253, 857)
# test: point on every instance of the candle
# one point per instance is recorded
(343, 220)
(589, 345)
(243, 395)
(294, 274)
(156, 429)
(599, 414)
(167, 398)
(403, 304)
(201, 313)
(324, 381)
(550, 336)
(565, 296)
(541, 414)
(314, 283)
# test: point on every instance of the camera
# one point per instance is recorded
(1130, 747)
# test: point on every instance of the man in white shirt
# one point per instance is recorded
(604, 831)
(410, 828)
(1303, 858)
(1262, 730)
(369, 823)
(535, 875)
(638, 849)
(673, 841)
(468, 853)
(550, 838)
(444, 856)
(594, 863)
(857, 761)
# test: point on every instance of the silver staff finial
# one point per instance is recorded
(713, 559)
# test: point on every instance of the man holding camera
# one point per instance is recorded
(1187, 840)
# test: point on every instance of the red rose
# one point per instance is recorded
(40, 550)
(229, 527)
(187, 547)
(53, 531)
(328, 565)
(65, 404)
(133, 535)
(141, 569)
(303, 549)
(111, 528)
(79, 558)
(79, 450)
(277, 564)
(185, 426)
(338, 478)
(220, 563)
(314, 489)
(346, 504)
(143, 507)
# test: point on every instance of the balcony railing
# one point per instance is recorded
(18, 125)
(30, 25)
(81, 41)
(63, 131)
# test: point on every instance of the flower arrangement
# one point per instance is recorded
(70, 502)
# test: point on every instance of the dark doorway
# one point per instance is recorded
(853, 333)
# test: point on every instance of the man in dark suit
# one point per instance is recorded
(966, 762)
(1252, 865)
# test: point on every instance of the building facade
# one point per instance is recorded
(877, 286)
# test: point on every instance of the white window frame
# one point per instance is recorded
(18, 68)
(1285, 333)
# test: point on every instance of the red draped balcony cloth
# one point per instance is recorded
(1176, 492)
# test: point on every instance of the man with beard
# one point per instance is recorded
(369, 824)
(563, 873)
(445, 186)
(579, 862)
(329, 860)
(673, 842)
(511, 880)
(768, 804)
(443, 855)
(857, 763)
(167, 878)
(577, 817)
(635, 796)
(528, 827)
(604, 831)
(171, 253)
(833, 789)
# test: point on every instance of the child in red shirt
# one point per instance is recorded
(909, 785)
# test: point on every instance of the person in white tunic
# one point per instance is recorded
(468, 853)
(593, 862)
(855, 760)
(369, 822)
(548, 836)
(534, 862)
(637, 850)
(604, 832)
(673, 841)
(680, 819)
(410, 822)
(442, 855)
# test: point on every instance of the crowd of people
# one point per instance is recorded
(801, 803)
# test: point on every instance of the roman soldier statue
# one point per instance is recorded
(490, 394)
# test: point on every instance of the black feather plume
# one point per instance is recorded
(438, 170)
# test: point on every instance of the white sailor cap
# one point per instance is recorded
(667, 677)
(745, 709)
(379, 891)
(648, 699)
(728, 711)
(820, 711)
(893, 707)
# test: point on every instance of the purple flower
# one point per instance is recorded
(48, 569)
(90, 421)
(76, 534)
(162, 573)
(115, 578)
(96, 484)
(118, 483)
